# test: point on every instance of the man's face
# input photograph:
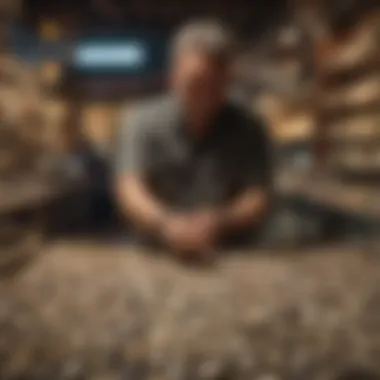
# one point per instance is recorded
(199, 79)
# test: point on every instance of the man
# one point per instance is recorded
(193, 170)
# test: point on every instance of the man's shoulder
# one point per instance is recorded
(156, 111)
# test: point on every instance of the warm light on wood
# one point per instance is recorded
(50, 30)
(51, 72)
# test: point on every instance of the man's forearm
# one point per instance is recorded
(248, 209)
(139, 205)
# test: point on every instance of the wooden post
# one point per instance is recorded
(309, 16)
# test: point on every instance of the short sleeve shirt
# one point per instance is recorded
(186, 174)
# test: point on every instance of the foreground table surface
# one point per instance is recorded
(90, 311)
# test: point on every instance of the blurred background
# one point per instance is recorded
(68, 70)
(309, 68)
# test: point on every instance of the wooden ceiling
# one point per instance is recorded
(244, 14)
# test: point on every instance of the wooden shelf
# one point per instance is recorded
(330, 114)
(333, 79)
(360, 200)
(25, 194)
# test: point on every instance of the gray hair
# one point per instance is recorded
(210, 37)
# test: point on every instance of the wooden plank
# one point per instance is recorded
(363, 201)
(358, 143)
(360, 93)
(26, 194)
(328, 114)
(356, 128)
(368, 67)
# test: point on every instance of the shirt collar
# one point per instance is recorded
(212, 131)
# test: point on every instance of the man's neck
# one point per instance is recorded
(199, 120)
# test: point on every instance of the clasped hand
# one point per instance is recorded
(194, 234)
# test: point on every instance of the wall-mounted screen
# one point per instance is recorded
(131, 56)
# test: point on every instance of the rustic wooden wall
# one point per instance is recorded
(349, 98)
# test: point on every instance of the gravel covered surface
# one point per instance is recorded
(91, 311)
